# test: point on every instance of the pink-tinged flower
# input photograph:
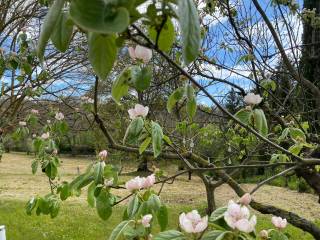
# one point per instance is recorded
(149, 181)
(264, 234)
(138, 183)
(137, 111)
(34, 111)
(135, 184)
(22, 124)
(279, 222)
(252, 99)
(245, 199)
(103, 154)
(59, 116)
(55, 152)
(192, 222)
(146, 219)
(237, 217)
(141, 53)
(45, 136)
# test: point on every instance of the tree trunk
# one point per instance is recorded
(210, 198)
(310, 62)
(143, 165)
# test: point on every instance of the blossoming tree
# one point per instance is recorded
(110, 26)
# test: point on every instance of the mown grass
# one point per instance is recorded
(77, 221)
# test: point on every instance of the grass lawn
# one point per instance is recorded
(77, 221)
(80, 222)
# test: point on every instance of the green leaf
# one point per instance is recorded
(44, 205)
(51, 170)
(191, 107)
(297, 135)
(141, 78)
(103, 206)
(216, 235)
(120, 86)
(166, 36)
(54, 208)
(62, 33)
(48, 26)
(144, 145)
(102, 53)
(277, 235)
(296, 149)
(244, 116)
(167, 140)
(260, 121)
(90, 197)
(34, 166)
(64, 191)
(31, 205)
(143, 209)
(98, 172)
(99, 16)
(162, 216)
(190, 29)
(118, 230)
(217, 214)
(133, 206)
(284, 134)
(245, 58)
(170, 235)
(174, 98)
(157, 136)
(154, 202)
(279, 158)
(134, 130)
(191, 102)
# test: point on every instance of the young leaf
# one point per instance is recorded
(244, 116)
(133, 206)
(61, 36)
(260, 121)
(98, 173)
(166, 36)
(154, 202)
(174, 98)
(31, 205)
(170, 235)
(120, 86)
(191, 107)
(191, 102)
(64, 191)
(216, 235)
(99, 16)
(217, 214)
(102, 53)
(190, 29)
(141, 78)
(118, 230)
(104, 208)
(157, 136)
(297, 135)
(144, 145)
(34, 166)
(134, 130)
(48, 26)
(162, 216)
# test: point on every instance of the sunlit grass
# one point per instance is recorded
(80, 222)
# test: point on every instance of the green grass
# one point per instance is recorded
(79, 222)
